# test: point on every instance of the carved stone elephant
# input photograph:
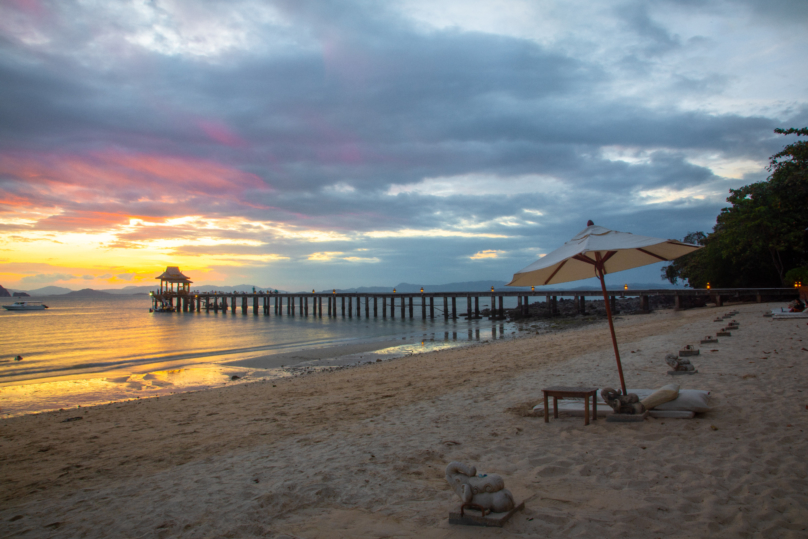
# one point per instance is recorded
(679, 363)
(622, 404)
(485, 490)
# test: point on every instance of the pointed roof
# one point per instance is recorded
(173, 274)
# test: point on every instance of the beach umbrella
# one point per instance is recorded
(596, 251)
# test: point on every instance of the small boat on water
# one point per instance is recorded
(26, 306)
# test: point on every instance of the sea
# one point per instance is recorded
(85, 351)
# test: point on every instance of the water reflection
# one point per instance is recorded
(84, 351)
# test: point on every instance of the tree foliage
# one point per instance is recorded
(761, 235)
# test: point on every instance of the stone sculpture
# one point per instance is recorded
(483, 491)
(679, 363)
(622, 404)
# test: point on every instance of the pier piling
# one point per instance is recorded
(298, 303)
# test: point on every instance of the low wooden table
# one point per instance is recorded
(560, 392)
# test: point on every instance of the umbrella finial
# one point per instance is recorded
(590, 223)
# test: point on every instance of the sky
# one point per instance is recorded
(324, 144)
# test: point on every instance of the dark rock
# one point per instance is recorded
(4, 293)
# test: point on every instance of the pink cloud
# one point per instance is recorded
(31, 7)
(221, 133)
(108, 188)
(112, 172)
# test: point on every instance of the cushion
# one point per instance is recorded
(689, 400)
(661, 396)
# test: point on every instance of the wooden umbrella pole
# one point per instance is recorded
(599, 271)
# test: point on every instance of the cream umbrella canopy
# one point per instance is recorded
(596, 251)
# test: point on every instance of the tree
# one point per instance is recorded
(761, 235)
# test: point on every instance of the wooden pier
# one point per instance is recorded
(406, 305)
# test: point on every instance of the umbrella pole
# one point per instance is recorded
(611, 328)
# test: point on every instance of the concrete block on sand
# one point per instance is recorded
(471, 517)
(627, 418)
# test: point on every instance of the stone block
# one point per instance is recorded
(472, 517)
(627, 418)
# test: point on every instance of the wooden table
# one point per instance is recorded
(560, 392)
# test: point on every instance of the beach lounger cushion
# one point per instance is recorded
(661, 396)
(688, 400)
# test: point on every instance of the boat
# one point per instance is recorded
(26, 306)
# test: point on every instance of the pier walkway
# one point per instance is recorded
(352, 304)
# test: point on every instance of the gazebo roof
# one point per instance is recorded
(173, 274)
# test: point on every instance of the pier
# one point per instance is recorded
(449, 305)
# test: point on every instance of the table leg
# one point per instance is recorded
(546, 411)
(594, 407)
(586, 410)
(555, 407)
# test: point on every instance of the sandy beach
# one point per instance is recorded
(361, 452)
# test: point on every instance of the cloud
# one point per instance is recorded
(489, 253)
(363, 260)
(324, 256)
(238, 134)
(43, 278)
(125, 276)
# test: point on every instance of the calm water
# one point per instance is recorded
(84, 351)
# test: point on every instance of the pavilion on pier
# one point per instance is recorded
(172, 275)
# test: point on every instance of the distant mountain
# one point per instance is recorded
(4, 293)
(89, 292)
(408, 288)
(48, 291)
(237, 288)
(499, 286)
(631, 286)
(129, 290)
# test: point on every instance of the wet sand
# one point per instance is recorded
(330, 354)
(360, 452)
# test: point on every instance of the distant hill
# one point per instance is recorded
(500, 286)
(4, 293)
(128, 290)
(89, 292)
(408, 288)
(617, 286)
(48, 291)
